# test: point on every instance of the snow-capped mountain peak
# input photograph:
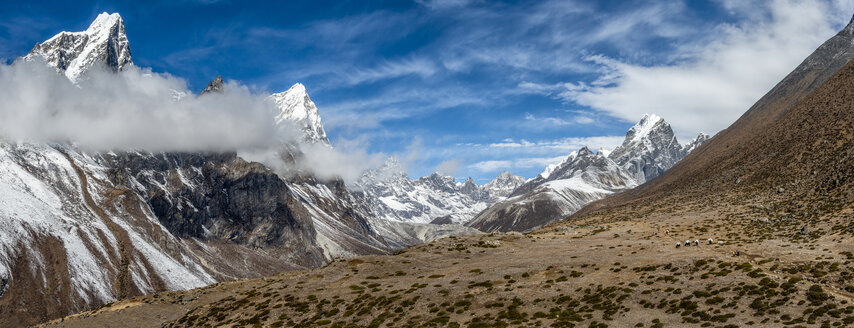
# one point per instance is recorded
(585, 151)
(295, 106)
(391, 171)
(504, 184)
(469, 187)
(439, 181)
(650, 147)
(552, 167)
(644, 127)
(105, 22)
(503, 180)
(568, 186)
(392, 163)
(697, 142)
(73, 53)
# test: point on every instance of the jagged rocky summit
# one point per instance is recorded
(74, 53)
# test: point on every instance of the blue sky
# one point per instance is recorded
(471, 87)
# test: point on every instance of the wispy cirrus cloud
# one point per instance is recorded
(444, 4)
(558, 121)
(515, 164)
(718, 78)
(354, 31)
(590, 65)
(21, 32)
(391, 69)
(565, 145)
(397, 103)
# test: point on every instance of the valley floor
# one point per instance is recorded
(594, 273)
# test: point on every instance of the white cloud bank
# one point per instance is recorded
(134, 109)
(139, 110)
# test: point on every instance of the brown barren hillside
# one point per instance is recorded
(624, 274)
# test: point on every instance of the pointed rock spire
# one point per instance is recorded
(74, 53)
(214, 86)
(295, 106)
(649, 149)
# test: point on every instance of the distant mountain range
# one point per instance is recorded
(389, 194)
(650, 148)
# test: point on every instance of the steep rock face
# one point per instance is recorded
(220, 197)
(296, 107)
(96, 241)
(343, 230)
(649, 149)
(387, 193)
(73, 53)
(115, 225)
(582, 178)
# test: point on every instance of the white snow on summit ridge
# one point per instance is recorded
(650, 148)
(295, 106)
(644, 127)
(73, 53)
(503, 184)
